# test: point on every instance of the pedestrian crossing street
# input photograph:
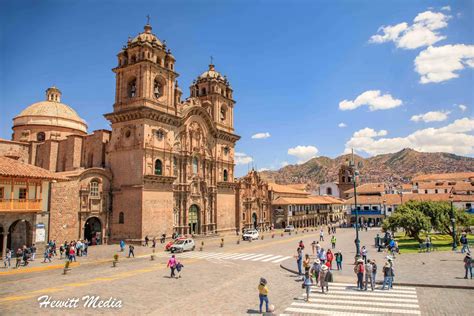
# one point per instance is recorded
(231, 256)
(345, 299)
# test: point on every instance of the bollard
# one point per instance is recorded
(66, 267)
(152, 257)
(262, 237)
(289, 233)
(222, 242)
(273, 235)
(238, 241)
(296, 232)
(202, 246)
(114, 263)
(281, 234)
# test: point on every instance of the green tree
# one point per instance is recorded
(440, 215)
(410, 218)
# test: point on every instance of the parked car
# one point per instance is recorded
(250, 234)
(289, 228)
(183, 245)
(171, 242)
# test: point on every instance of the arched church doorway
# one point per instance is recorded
(20, 233)
(93, 231)
(193, 219)
(254, 220)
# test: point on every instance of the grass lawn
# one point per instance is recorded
(440, 242)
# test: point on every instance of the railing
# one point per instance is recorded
(20, 205)
(368, 212)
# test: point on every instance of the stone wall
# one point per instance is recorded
(15, 150)
(64, 211)
(226, 209)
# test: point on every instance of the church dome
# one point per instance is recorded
(211, 74)
(147, 36)
(51, 112)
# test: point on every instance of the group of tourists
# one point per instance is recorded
(23, 256)
(175, 267)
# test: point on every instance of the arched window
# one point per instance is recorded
(134, 59)
(41, 136)
(121, 218)
(343, 179)
(203, 91)
(329, 191)
(94, 188)
(225, 175)
(223, 113)
(157, 88)
(132, 88)
(195, 165)
(158, 167)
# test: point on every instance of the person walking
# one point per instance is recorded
(359, 271)
(329, 230)
(465, 243)
(146, 240)
(26, 255)
(263, 294)
(299, 259)
(322, 256)
(387, 276)
(363, 252)
(468, 265)
(85, 247)
(19, 255)
(374, 272)
(333, 241)
(306, 263)
(122, 245)
(131, 250)
(428, 243)
(301, 245)
(61, 251)
(307, 283)
(313, 247)
(154, 242)
(339, 260)
(315, 269)
(172, 265)
(321, 235)
(7, 259)
(72, 253)
(330, 258)
(33, 252)
(324, 277)
(47, 254)
(179, 267)
(368, 276)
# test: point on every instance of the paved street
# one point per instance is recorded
(215, 281)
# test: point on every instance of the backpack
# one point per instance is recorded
(328, 278)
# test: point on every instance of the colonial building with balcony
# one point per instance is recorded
(24, 204)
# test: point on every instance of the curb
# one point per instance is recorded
(444, 286)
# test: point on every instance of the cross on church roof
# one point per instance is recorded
(147, 19)
(212, 59)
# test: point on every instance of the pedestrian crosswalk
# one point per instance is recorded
(250, 257)
(345, 299)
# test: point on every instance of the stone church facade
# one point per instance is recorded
(165, 166)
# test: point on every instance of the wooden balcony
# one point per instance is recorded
(33, 205)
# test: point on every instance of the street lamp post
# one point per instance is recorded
(453, 222)
(354, 176)
(384, 209)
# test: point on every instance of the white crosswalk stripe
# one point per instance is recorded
(345, 299)
(254, 257)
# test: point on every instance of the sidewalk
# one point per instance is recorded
(435, 269)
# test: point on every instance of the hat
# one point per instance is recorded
(387, 264)
(372, 260)
(263, 281)
(389, 258)
(317, 261)
(324, 267)
(360, 260)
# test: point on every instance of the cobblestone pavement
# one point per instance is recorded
(215, 281)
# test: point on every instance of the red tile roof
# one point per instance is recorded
(14, 168)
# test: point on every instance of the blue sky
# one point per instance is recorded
(298, 68)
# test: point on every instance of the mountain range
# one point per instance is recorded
(394, 168)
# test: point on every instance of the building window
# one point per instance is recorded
(264, 215)
(226, 150)
(195, 165)
(468, 206)
(343, 178)
(132, 88)
(160, 134)
(175, 166)
(158, 167)
(22, 194)
(243, 216)
(366, 208)
(436, 191)
(225, 175)
(2, 193)
(121, 218)
(203, 91)
(426, 191)
(40, 136)
(329, 191)
(94, 188)
(157, 89)
(223, 113)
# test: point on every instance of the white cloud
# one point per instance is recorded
(374, 99)
(263, 169)
(242, 159)
(342, 125)
(261, 135)
(437, 64)
(462, 107)
(423, 31)
(432, 116)
(446, 8)
(303, 153)
(369, 132)
(454, 138)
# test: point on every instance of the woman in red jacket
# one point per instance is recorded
(330, 258)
